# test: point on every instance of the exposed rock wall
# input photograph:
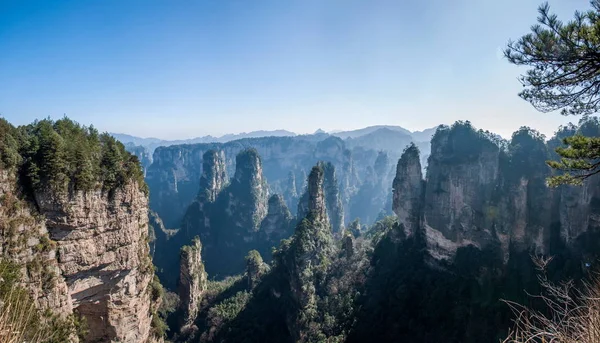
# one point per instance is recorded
(87, 254)
(331, 196)
(214, 175)
(24, 239)
(277, 224)
(104, 259)
(174, 175)
(308, 254)
(193, 282)
(479, 194)
(408, 189)
(214, 178)
(230, 225)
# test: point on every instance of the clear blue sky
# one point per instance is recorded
(180, 69)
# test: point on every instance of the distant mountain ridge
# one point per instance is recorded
(370, 129)
(152, 143)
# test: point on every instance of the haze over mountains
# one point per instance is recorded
(341, 237)
(153, 143)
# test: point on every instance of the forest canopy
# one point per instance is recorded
(65, 156)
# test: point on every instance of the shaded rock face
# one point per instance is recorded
(193, 282)
(87, 255)
(104, 259)
(408, 191)
(197, 219)
(212, 181)
(214, 175)
(230, 225)
(255, 268)
(331, 197)
(311, 247)
(248, 192)
(142, 154)
(277, 224)
(349, 182)
(316, 194)
(174, 175)
(374, 196)
(291, 193)
(477, 194)
(462, 175)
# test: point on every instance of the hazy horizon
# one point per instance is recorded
(183, 70)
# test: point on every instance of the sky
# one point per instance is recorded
(180, 68)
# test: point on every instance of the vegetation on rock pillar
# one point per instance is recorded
(63, 156)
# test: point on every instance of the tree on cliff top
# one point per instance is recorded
(564, 74)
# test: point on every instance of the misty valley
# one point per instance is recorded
(361, 171)
(304, 238)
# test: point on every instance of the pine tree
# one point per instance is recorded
(564, 74)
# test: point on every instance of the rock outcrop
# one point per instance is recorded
(408, 191)
(331, 197)
(255, 268)
(174, 175)
(230, 225)
(462, 175)
(248, 192)
(88, 255)
(277, 223)
(487, 194)
(193, 283)
(291, 193)
(214, 177)
(311, 248)
(74, 215)
(104, 259)
(24, 239)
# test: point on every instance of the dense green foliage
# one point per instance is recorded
(462, 143)
(563, 75)
(563, 62)
(64, 156)
(579, 154)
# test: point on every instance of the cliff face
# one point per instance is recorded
(214, 177)
(462, 175)
(408, 191)
(305, 260)
(104, 259)
(478, 194)
(277, 223)
(74, 214)
(193, 282)
(142, 153)
(175, 172)
(291, 192)
(24, 239)
(228, 218)
(247, 195)
(374, 197)
(331, 197)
